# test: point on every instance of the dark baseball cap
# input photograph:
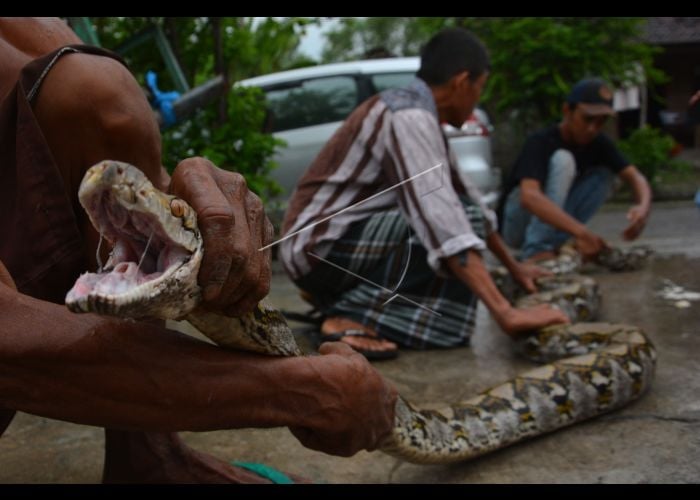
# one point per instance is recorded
(593, 95)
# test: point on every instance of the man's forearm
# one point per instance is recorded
(512, 320)
(475, 275)
(129, 375)
(640, 187)
(498, 248)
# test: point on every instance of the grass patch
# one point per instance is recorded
(678, 173)
(677, 180)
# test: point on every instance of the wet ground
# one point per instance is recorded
(654, 440)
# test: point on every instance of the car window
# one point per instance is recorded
(385, 81)
(311, 102)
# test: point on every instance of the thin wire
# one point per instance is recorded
(145, 250)
(403, 275)
(372, 283)
(408, 260)
(352, 206)
(98, 257)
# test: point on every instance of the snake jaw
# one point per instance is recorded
(152, 255)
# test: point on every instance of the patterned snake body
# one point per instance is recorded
(152, 272)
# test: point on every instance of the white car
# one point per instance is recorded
(307, 105)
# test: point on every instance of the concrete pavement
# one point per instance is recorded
(653, 440)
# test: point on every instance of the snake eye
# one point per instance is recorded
(177, 207)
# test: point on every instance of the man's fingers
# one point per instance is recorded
(248, 283)
(530, 286)
(554, 314)
(195, 183)
(635, 227)
(234, 274)
(259, 290)
(243, 269)
(631, 232)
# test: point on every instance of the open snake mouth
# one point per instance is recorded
(139, 223)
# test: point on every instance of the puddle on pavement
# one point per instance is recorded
(679, 296)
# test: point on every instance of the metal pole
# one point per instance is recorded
(197, 98)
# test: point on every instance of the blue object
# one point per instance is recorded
(697, 198)
(163, 100)
(265, 471)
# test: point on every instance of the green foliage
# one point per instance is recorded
(648, 149)
(678, 173)
(249, 48)
(534, 60)
(400, 36)
(230, 133)
(237, 144)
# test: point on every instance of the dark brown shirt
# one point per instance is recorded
(40, 243)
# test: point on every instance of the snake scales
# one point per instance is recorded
(152, 271)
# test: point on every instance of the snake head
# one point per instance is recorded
(156, 246)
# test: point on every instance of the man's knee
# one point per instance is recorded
(515, 220)
(563, 164)
(595, 182)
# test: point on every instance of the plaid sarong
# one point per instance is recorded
(384, 250)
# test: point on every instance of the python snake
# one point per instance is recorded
(152, 272)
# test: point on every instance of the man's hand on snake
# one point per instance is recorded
(516, 320)
(234, 275)
(349, 431)
(526, 273)
(589, 245)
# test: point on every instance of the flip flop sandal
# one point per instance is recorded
(370, 354)
(265, 471)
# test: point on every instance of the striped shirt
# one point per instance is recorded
(392, 137)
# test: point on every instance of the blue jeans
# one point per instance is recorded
(580, 197)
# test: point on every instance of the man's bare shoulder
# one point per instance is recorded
(36, 36)
(23, 39)
(91, 108)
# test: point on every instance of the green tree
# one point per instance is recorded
(537, 60)
(229, 132)
(355, 38)
(650, 150)
(534, 60)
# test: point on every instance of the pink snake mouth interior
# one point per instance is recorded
(134, 259)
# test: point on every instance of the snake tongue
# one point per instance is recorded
(124, 277)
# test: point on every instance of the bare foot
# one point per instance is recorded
(361, 344)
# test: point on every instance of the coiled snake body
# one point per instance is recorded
(152, 272)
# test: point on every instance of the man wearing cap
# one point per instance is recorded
(564, 174)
